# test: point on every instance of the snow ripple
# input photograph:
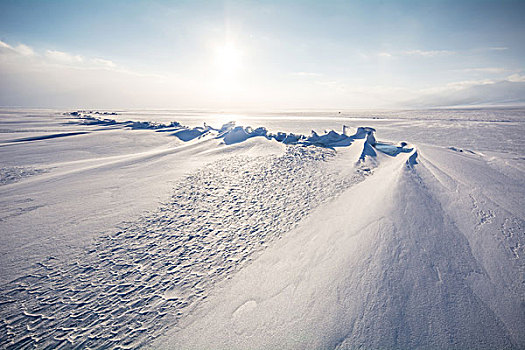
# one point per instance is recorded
(131, 285)
(10, 175)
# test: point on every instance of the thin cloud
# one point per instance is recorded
(509, 91)
(428, 53)
(57, 78)
(492, 70)
(487, 49)
(415, 52)
(63, 57)
(516, 78)
(24, 50)
(307, 74)
(103, 62)
(20, 49)
(459, 85)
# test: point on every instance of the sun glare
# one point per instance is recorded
(228, 64)
(228, 59)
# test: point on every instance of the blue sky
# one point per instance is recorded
(264, 54)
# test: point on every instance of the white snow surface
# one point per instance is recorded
(127, 234)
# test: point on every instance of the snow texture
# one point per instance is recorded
(232, 237)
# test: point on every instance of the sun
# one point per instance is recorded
(228, 59)
(228, 70)
(228, 63)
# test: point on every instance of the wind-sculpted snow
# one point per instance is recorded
(415, 256)
(262, 239)
(231, 134)
(89, 120)
(131, 285)
(14, 174)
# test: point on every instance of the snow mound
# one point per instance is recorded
(237, 134)
(189, 134)
(393, 262)
(155, 270)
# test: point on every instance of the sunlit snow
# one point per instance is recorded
(173, 229)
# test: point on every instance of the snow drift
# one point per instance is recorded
(385, 265)
(333, 240)
(230, 133)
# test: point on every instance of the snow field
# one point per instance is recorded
(145, 277)
(123, 234)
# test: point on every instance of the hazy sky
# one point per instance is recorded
(264, 54)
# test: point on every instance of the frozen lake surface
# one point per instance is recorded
(397, 229)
